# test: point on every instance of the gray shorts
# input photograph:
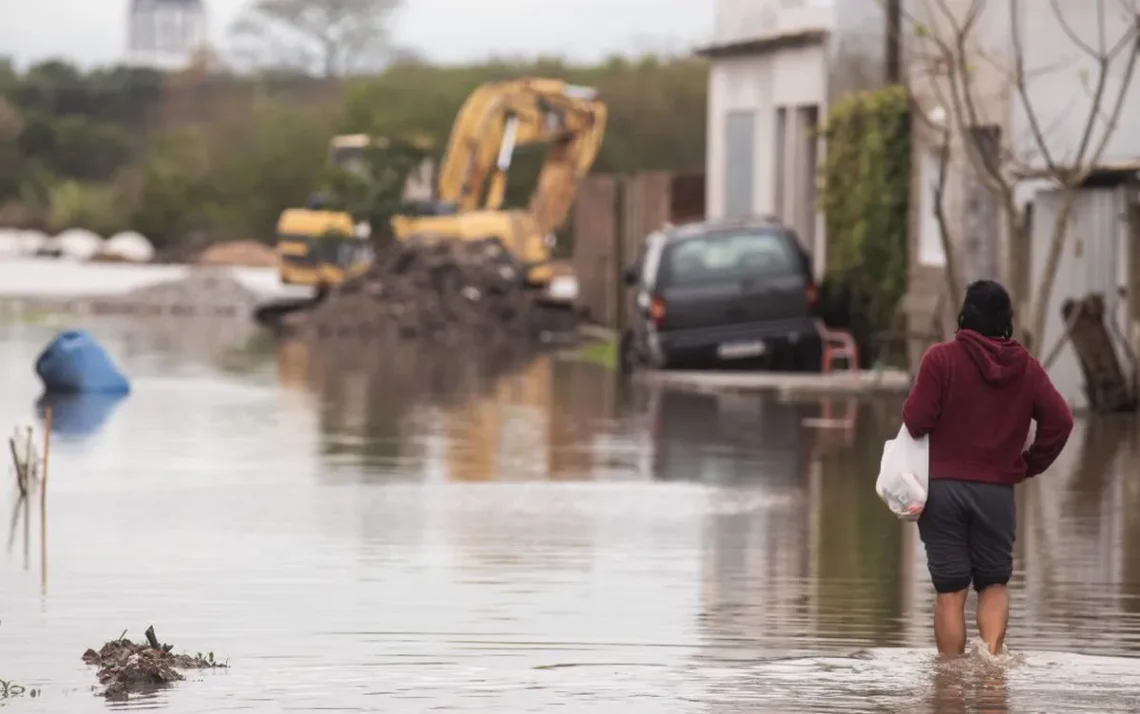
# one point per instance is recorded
(968, 528)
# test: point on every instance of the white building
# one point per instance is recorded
(166, 34)
(1102, 254)
(776, 66)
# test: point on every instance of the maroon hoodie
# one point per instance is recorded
(975, 397)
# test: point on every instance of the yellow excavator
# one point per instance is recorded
(495, 120)
(323, 248)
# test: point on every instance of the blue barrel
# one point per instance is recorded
(75, 362)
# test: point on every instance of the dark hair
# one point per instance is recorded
(987, 310)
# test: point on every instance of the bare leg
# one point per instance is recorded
(993, 616)
(950, 622)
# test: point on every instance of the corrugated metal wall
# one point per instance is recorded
(1096, 259)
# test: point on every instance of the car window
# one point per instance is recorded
(728, 256)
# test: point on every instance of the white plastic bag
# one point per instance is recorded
(904, 475)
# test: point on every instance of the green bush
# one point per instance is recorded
(222, 155)
(657, 110)
(864, 198)
(92, 206)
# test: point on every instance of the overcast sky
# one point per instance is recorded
(443, 30)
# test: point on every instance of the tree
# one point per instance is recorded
(332, 37)
(961, 55)
(11, 126)
(656, 110)
(374, 191)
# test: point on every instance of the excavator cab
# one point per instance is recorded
(495, 120)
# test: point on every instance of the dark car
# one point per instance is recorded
(726, 292)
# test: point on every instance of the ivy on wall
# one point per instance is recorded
(864, 196)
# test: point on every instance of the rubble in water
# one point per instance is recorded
(127, 667)
(438, 291)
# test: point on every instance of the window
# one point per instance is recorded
(727, 256)
(930, 252)
(739, 158)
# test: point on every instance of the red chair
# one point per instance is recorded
(838, 345)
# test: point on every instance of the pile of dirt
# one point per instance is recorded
(205, 291)
(127, 667)
(437, 291)
(239, 253)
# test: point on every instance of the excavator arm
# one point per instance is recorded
(501, 116)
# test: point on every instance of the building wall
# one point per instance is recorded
(801, 81)
(793, 80)
(1097, 259)
(1060, 79)
(857, 49)
(744, 20)
(978, 248)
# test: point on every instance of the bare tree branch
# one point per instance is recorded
(951, 45)
(336, 35)
(1113, 118)
(1023, 88)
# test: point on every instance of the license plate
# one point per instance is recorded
(741, 350)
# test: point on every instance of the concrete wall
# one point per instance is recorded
(1062, 77)
(801, 80)
(1097, 260)
(979, 247)
(745, 20)
(856, 51)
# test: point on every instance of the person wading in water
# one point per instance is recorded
(975, 397)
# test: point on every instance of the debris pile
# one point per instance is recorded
(438, 291)
(126, 667)
(239, 253)
(205, 292)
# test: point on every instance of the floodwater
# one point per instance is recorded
(367, 530)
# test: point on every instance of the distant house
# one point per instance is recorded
(776, 66)
(1103, 250)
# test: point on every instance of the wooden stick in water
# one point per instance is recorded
(43, 502)
(47, 445)
(21, 479)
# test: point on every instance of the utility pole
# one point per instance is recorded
(894, 41)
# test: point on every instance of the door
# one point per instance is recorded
(739, 163)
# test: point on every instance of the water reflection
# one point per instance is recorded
(470, 418)
(822, 569)
(727, 439)
(77, 416)
(356, 527)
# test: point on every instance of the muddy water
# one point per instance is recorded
(379, 531)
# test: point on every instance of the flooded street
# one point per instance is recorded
(384, 531)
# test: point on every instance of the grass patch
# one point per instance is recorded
(599, 352)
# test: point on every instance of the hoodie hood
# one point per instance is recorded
(999, 361)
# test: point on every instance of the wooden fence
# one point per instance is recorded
(612, 216)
